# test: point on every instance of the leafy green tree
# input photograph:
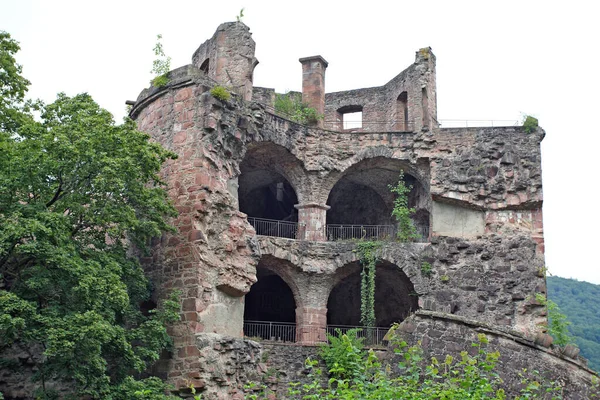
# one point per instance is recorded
(578, 301)
(12, 85)
(79, 195)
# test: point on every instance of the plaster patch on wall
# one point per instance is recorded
(456, 221)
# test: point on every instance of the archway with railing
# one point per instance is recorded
(361, 201)
(395, 299)
(265, 192)
(270, 308)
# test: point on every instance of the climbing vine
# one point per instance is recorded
(368, 260)
(406, 228)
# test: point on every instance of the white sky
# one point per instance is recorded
(495, 60)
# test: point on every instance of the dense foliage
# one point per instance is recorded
(291, 105)
(579, 301)
(354, 374)
(77, 194)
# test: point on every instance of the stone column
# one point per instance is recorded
(313, 83)
(311, 221)
(311, 325)
(311, 313)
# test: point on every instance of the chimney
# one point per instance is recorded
(313, 83)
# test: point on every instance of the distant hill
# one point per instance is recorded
(580, 302)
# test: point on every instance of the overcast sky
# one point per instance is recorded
(495, 60)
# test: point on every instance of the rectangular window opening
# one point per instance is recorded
(353, 120)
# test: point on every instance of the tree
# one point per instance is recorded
(79, 195)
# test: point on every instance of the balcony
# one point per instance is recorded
(334, 232)
(289, 333)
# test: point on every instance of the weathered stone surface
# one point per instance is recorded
(442, 335)
(477, 193)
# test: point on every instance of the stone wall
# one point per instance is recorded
(228, 57)
(381, 112)
(479, 190)
(442, 335)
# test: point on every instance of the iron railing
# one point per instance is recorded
(272, 227)
(477, 123)
(372, 336)
(272, 331)
(288, 332)
(346, 232)
(288, 229)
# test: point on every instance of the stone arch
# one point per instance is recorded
(205, 66)
(360, 194)
(402, 112)
(274, 298)
(395, 295)
(268, 181)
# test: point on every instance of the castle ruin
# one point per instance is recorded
(270, 212)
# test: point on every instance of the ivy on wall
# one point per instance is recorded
(368, 259)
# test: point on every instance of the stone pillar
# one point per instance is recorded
(311, 221)
(311, 325)
(313, 83)
(311, 311)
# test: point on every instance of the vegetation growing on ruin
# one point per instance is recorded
(355, 373)
(530, 124)
(161, 64)
(77, 194)
(291, 105)
(426, 269)
(220, 93)
(368, 260)
(558, 325)
(406, 228)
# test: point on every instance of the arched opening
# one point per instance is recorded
(270, 307)
(205, 66)
(361, 201)
(395, 297)
(402, 112)
(425, 106)
(264, 193)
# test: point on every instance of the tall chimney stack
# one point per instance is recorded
(313, 83)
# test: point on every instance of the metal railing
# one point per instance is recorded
(477, 123)
(288, 332)
(372, 336)
(272, 227)
(347, 232)
(272, 331)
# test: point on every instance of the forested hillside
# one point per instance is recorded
(580, 302)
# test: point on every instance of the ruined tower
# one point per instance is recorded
(270, 212)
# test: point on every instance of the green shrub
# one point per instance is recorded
(426, 269)
(343, 355)
(530, 124)
(355, 375)
(291, 106)
(220, 93)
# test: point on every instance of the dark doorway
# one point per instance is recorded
(395, 297)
